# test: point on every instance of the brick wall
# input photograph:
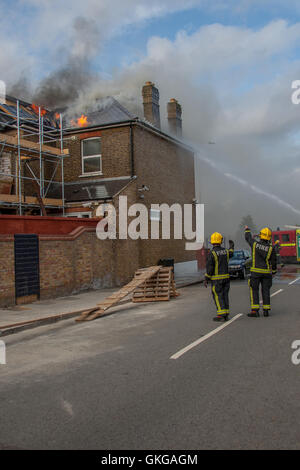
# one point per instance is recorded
(5, 164)
(7, 276)
(69, 266)
(115, 147)
(168, 170)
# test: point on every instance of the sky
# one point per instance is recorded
(229, 63)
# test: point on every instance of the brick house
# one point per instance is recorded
(117, 154)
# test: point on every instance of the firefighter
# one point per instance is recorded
(217, 273)
(277, 249)
(264, 266)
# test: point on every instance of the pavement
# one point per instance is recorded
(115, 383)
(186, 274)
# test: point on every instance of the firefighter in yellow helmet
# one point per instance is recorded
(264, 266)
(217, 273)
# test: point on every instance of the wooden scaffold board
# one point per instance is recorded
(140, 277)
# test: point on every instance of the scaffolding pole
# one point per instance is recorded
(43, 133)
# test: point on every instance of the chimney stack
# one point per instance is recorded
(174, 117)
(151, 104)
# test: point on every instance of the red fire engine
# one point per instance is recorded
(289, 241)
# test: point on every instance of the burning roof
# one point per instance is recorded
(104, 111)
(29, 114)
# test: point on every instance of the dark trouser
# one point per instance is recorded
(220, 292)
(266, 283)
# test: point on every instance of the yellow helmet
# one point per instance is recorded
(277, 241)
(265, 233)
(216, 238)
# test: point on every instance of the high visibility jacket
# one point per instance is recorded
(263, 255)
(217, 263)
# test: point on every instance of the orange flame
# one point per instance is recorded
(82, 121)
(36, 109)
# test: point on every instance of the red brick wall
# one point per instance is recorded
(11, 224)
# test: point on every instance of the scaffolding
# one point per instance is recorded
(32, 135)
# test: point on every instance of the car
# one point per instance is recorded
(240, 263)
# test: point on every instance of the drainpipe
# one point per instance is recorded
(132, 151)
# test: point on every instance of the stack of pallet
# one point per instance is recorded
(161, 286)
(151, 284)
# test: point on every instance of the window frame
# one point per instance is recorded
(90, 173)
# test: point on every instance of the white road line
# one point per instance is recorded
(277, 292)
(205, 337)
(272, 295)
(293, 282)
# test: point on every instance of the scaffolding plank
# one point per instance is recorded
(140, 277)
(28, 145)
(30, 200)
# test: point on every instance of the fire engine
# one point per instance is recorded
(289, 241)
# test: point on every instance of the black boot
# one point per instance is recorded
(221, 318)
(253, 313)
(266, 313)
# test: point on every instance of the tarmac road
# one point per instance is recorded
(112, 384)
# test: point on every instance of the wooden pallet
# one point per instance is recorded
(140, 277)
(160, 287)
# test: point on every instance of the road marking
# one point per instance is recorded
(277, 292)
(272, 295)
(293, 282)
(204, 338)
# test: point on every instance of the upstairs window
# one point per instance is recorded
(91, 156)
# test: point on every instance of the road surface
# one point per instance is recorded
(127, 381)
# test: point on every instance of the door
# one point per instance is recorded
(27, 271)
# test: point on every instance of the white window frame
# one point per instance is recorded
(91, 173)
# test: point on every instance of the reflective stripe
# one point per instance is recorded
(268, 257)
(253, 255)
(217, 299)
(220, 276)
(267, 307)
(253, 305)
(260, 270)
(288, 244)
(216, 263)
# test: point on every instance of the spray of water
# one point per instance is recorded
(253, 188)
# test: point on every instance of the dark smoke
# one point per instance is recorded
(63, 86)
